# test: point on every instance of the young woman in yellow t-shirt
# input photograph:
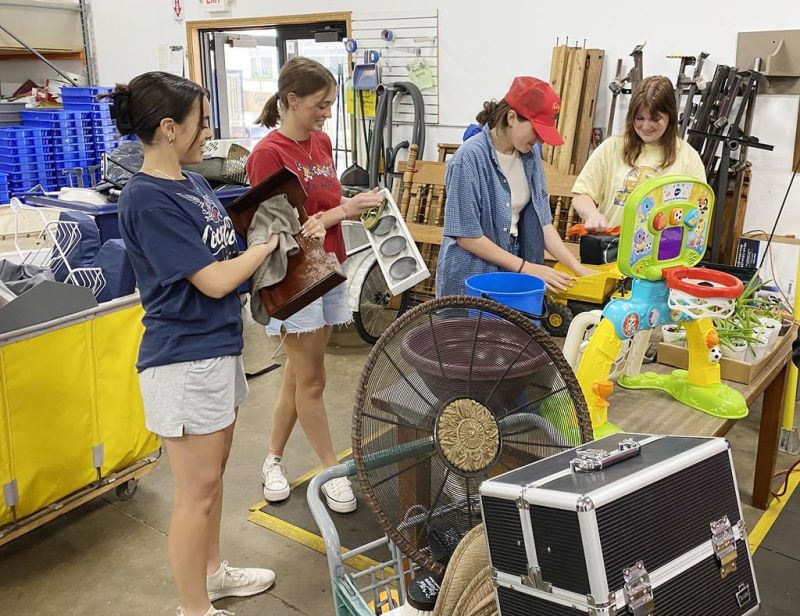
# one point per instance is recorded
(650, 146)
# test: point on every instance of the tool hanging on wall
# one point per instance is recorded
(617, 85)
(355, 174)
(689, 86)
(341, 115)
(716, 126)
(387, 93)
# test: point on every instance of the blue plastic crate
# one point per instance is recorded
(90, 93)
(26, 154)
(99, 148)
(23, 174)
(99, 131)
(14, 168)
(102, 109)
(19, 132)
(103, 139)
(72, 143)
(51, 118)
(3, 188)
(49, 124)
(103, 122)
(15, 158)
(72, 163)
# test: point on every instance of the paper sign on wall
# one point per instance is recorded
(214, 6)
(171, 59)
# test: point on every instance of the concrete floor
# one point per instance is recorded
(109, 557)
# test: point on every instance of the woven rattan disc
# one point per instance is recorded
(468, 435)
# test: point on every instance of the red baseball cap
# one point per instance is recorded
(536, 101)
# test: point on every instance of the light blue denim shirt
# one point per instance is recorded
(479, 203)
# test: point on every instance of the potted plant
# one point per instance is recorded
(753, 323)
(733, 348)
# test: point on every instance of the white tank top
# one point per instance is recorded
(511, 164)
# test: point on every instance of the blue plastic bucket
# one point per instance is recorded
(521, 292)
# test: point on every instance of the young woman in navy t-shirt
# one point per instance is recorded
(183, 250)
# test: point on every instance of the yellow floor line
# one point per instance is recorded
(771, 515)
(301, 535)
(304, 537)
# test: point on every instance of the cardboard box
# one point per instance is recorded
(730, 369)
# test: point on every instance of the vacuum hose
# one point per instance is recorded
(383, 124)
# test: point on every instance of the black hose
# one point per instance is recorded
(383, 122)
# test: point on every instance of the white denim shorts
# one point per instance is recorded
(193, 397)
(332, 308)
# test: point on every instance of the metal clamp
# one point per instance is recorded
(723, 538)
(534, 580)
(590, 460)
(638, 591)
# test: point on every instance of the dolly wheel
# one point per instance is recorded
(126, 490)
(557, 322)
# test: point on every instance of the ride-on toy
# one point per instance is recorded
(587, 293)
(664, 235)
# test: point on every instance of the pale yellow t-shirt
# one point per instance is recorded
(608, 179)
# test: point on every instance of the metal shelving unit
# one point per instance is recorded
(50, 56)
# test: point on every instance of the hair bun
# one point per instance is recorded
(120, 109)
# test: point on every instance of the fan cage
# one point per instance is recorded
(419, 455)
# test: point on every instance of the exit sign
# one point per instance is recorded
(213, 6)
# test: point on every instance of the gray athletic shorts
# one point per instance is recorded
(193, 397)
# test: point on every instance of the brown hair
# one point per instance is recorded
(495, 113)
(302, 76)
(655, 95)
(139, 106)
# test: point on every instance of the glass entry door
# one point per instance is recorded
(241, 68)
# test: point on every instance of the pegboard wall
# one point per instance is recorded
(415, 37)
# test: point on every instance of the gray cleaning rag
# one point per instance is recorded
(275, 216)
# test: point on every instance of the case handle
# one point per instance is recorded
(590, 460)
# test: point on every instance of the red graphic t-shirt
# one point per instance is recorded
(312, 161)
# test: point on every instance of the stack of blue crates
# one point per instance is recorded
(69, 133)
(104, 132)
(26, 159)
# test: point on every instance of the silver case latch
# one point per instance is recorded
(638, 591)
(723, 538)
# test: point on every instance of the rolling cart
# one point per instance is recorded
(380, 589)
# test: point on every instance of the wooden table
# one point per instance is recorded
(657, 412)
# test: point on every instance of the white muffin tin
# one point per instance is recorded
(395, 250)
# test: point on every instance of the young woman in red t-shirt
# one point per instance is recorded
(306, 92)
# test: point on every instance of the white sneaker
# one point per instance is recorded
(273, 476)
(339, 495)
(238, 582)
(212, 611)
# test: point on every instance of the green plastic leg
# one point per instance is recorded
(607, 429)
(717, 400)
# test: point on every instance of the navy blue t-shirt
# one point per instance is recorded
(172, 229)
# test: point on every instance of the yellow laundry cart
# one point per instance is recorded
(71, 416)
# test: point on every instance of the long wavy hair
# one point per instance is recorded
(654, 95)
